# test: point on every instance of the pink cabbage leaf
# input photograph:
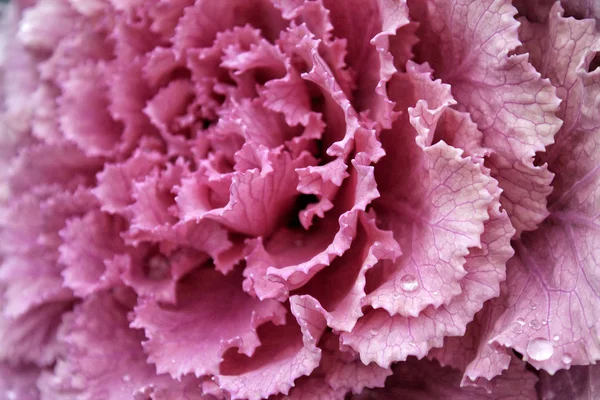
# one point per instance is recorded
(270, 199)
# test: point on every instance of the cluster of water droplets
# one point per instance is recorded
(539, 349)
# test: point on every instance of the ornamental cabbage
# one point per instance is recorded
(320, 199)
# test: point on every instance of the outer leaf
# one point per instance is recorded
(344, 371)
(433, 200)
(553, 282)
(46, 24)
(202, 21)
(383, 339)
(368, 50)
(32, 337)
(90, 242)
(468, 48)
(288, 352)
(435, 239)
(41, 164)
(424, 380)
(114, 188)
(338, 291)
(472, 354)
(103, 359)
(83, 109)
(212, 314)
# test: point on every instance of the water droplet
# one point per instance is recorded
(533, 306)
(567, 359)
(540, 349)
(521, 321)
(409, 283)
(126, 378)
(556, 338)
(535, 324)
(172, 361)
(544, 322)
(373, 332)
(517, 328)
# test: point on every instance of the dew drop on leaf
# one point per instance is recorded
(540, 349)
(517, 328)
(535, 324)
(409, 283)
